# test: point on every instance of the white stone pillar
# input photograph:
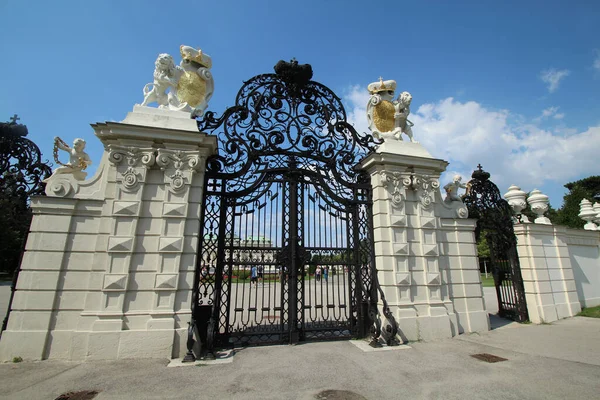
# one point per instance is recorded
(109, 266)
(415, 238)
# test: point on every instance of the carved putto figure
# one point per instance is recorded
(185, 87)
(78, 159)
(388, 118)
(452, 189)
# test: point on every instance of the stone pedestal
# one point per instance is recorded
(109, 263)
(425, 249)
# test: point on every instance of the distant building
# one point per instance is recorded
(246, 252)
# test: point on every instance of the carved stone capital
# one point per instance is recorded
(179, 166)
(132, 163)
(134, 156)
(426, 186)
(396, 183)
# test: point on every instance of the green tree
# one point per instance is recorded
(568, 214)
(483, 250)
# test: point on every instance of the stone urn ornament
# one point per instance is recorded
(597, 210)
(539, 205)
(517, 199)
(588, 214)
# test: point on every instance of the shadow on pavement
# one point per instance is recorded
(498, 322)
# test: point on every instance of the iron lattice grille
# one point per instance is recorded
(284, 199)
(494, 221)
(22, 173)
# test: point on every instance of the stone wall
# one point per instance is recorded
(560, 269)
(109, 262)
(584, 253)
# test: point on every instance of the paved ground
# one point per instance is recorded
(556, 361)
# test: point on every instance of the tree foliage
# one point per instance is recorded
(483, 250)
(568, 214)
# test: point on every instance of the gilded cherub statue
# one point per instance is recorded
(78, 159)
(185, 87)
(388, 118)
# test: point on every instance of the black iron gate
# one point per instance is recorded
(286, 252)
(494, 221)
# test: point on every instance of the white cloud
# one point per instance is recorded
(552, 77)
(521, 153)
(549, 112)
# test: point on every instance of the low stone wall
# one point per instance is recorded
(584, 253)
(560, 269)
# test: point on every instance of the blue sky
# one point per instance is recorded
(514, 86)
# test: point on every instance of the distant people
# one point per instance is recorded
(318, 273)
(325, 273)
(260, 273)
(253, 275)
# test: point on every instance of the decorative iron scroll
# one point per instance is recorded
(280, 115)
(285, 176)
(21, 174)
(494, 220)
(494, 214)
(21, 166)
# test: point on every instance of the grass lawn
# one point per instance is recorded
(487, 282)
(593, 312)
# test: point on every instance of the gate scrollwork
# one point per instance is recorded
(284, 199)
(494, 221)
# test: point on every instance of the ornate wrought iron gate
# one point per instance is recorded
(495, 221)
(286, 251)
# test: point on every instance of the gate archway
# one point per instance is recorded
(283, 201)
(494, 221)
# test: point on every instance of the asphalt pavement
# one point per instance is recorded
(554, 361)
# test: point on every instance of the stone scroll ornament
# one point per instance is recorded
(78, 159)
(185, 87)
(388, 118)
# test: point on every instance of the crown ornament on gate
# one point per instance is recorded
(295, 75)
